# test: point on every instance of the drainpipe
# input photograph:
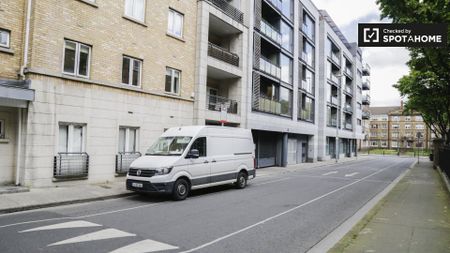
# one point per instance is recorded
(27, 40)
(19, 145)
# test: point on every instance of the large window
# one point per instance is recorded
(175, 24)
(308, 53)
(306, 107)
(286, 101)
(135, 9)
(71, 138)
(173, 77)
(131, 71)
(286, 69)
(128, 137)
(307, 79)
(288, 8)
(287, 37)
(76, 58)
(308, 26)
(275, 99)
(4, 38)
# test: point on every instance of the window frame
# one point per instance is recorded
(174, 14)
(128, 129)
(206, 146)
(144, 16)
(8, 38)
(77, 59)
(130, 71)
(172, 77)
(70, 137)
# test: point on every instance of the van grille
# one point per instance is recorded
(144, 173)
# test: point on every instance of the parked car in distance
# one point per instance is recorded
(194, 157)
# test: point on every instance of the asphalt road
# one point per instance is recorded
(288, 212)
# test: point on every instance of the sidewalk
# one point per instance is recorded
(413, 217)
(35, 198)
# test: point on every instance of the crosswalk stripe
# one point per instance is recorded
(145, 246)
(95, 236)
(351, 174)
(70, 224)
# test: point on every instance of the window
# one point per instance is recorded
(419, 118)
(384, 143)
(200, 145)
(407, 118)
(71, 138)
(395, 126)
(395, 135)
(358, 121)
(308, 26)
(135, 9)
(384, 126)
(173, 77)
(131, 71)
(4, 38)
(175, 24)
(395, 118)
(128, 137)
(286, 101)
(287, 37)
(408, 126)
(374, 126)
(286, 69)
(2, 129)
(308, 53)
(359, 106)
(306, 108)
(307, 80)
(374, 143)
(394, 144)
(419, 126)
(76, 58)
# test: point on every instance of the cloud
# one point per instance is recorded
(345, 12)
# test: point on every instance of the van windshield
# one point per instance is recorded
(169, 146)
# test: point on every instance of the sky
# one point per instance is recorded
(387, 64)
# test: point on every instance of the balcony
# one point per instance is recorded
(306, 115)
(335, 79)
(366, 100)
(348, 126)
(269, 105)
(269, 68)
(124, 160)
(348, 108)
(218, 104)
(332, 122)
(366, 115)
(70, 165)
(229, 9)
(366, 84)
(223, 54)
(366, 70)
(334, 101)
(349, 72)
(349, 90)
(335, 58)
(270, 31)
(277, 3)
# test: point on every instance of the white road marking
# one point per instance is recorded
(145, 246)
(273, 181)
(70, 224)
(351, 174)
(285, 212)
(109, 233)
(330, 173)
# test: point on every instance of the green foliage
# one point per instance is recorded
(427, 86)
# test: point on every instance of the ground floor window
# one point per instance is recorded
(128, 139)
(71, 138)
(71, 161)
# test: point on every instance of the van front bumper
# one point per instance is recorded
(134, 185)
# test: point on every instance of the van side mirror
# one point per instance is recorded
(193, 153)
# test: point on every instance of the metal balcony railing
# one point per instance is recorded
(333, 100)
(349, 71)
(223, 54)
(71, 165)
(348, 108)
(229, 9)
(332, 122)
(348, 89)
(335, 79)
(270, 31)
(218, 103)
(366, 84)
(366, 70)
(348, 126)
(365, 115)
(308, 58)
(366, 100)
(124, 160)
(269, 68)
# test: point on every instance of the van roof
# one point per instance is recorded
(195, 130)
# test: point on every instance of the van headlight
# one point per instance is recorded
(163, 171)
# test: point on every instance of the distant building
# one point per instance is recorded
(391, 129)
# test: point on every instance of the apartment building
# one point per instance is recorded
(87, 85)
(390, 128)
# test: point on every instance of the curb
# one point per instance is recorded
(444, 178)
(61, 203)
(346, 226)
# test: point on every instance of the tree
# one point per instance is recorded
(427, 86)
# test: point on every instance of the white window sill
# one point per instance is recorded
(175, 37)
(91, 3)
(134, 20)
(6, 50)
(5, 141)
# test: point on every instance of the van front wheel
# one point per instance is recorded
(180, 189)
(241, 182)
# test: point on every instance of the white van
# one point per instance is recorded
(193, 157)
